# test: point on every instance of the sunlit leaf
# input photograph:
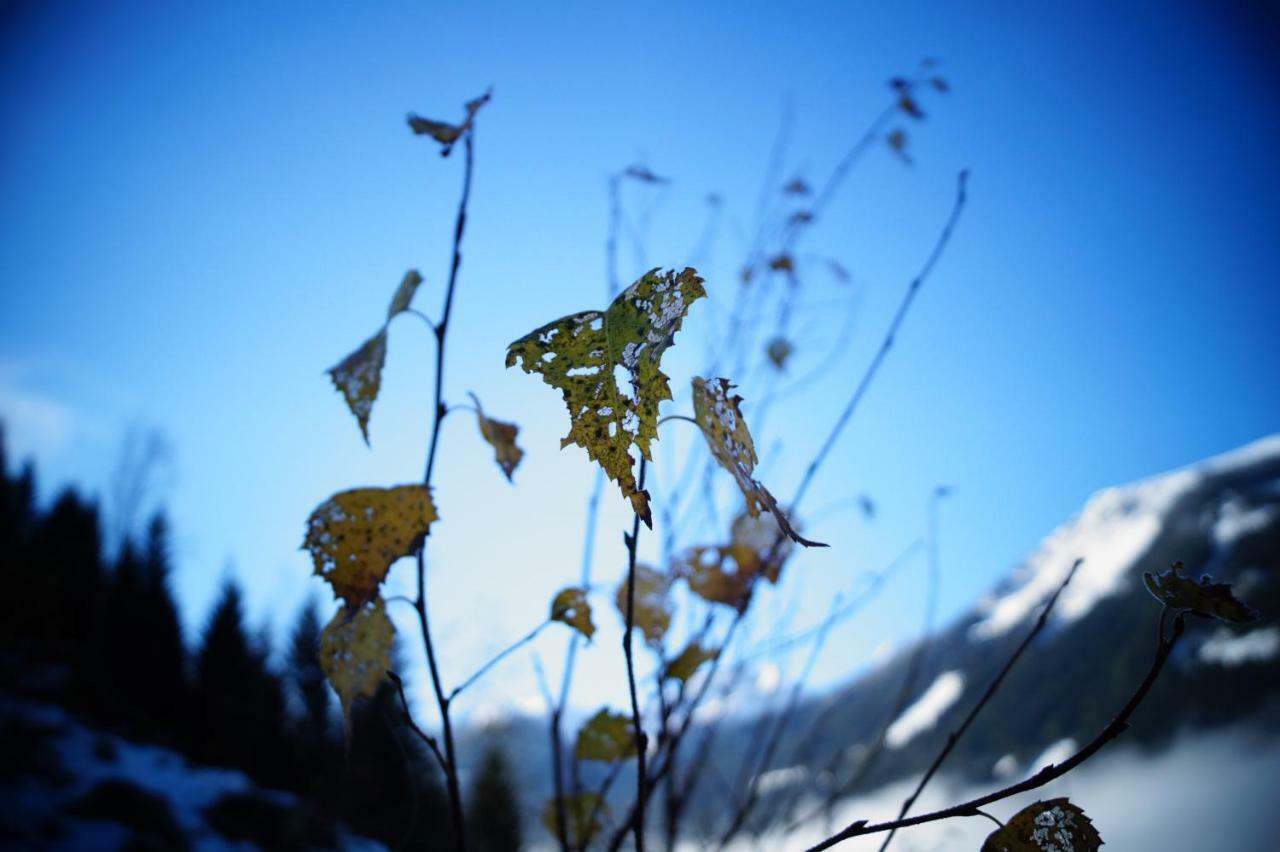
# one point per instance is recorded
(502, 437)
(570, 607)
(690, 660)
(1053, 825)
(722, 424)
(1206, 597)
(404, 293)
(358, 377)
(583, 812)
(580, 354)
(644, 175)
(607, 737)
(355, 652)
(443, 132)
(652, 613)
(354, 536)
(779, 350)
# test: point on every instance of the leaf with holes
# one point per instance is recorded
(502, 437)
(355, 535)
(652, 612)
(358, 377)
(1206, 597)
(1055, 824)
(355, 652)
(444, 133)
(570, 607)
(583, 812)
(715, 576)
(690, 660)
(582, 354)
(403, 297)
(607, 737)
(721, 422)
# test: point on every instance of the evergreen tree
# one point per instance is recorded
(493, 818)
(307, 678)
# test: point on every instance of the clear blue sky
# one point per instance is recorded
(203, 206)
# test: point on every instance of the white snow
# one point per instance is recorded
(1116, 528)
(1227, 649)
(1238, 519)
(925, 712)
(1056, 753)
(769, 678)
(776, 779)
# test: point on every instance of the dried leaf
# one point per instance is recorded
(643, 174)
(354, 536)
(583, 812)
(907, 104)
(1053, 825)
(652, 613)
(690, 660)
(502, 437)
(779, 350)
(444, 133)
(757, 547)
(355, 652)
(579, 354)
(715, 576)
(404, 293)
(782, 263)
(359, 376)
(570, 607)
(1206, 597)
(796, 186)
(721, 422)
(606, 736)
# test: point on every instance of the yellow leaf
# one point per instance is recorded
(690, 660)
(1206, 597)
(359, 376)
(652, 612)
(404, 293)
(354, 536)
(1055, 824)
(722, 424)
(579, 354)
(502, 437)
(355, 652)
(583, 812)
(444, 133)
(607, 737)
(715, 576)
(570, 607)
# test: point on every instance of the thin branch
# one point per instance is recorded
(641, 741)
(677, 417)
(499, 657)
(420, 315)
(407, 718)
(954, 736)
(1114, 728)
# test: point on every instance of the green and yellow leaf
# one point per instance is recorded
(690, 660)
(579, 354)
(355, 652)
(502, 437)
(606, 737)
(720, 419)
(358, 377)
(1206, 597)
(652, 612)
(583, 813)
(355, 535)
(1055, 824)
(570, 607)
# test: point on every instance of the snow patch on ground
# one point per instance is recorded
(1225, 648)
(1054, 754)
(928, 708)
(1238, 519)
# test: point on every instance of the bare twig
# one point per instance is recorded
(497, 658)
(407, 718)
(641, 741)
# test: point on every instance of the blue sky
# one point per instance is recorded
(203, 206)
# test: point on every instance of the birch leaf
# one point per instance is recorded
(358, 377)
(570, 607)
(690, 660)
(652, 612)
(355, 535)
(607, 737)
(715, 576)
(1055, 824)
(355, 652)
(583, 812)
(404, 293)
(502, 437)
(444, 133)
(1206, 597)
(721, 422)
(580, 354)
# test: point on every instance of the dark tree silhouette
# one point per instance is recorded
(493, 818)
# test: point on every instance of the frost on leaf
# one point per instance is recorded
(359, 376)
(652, 613)
(355, 652)
(1052, 826)
(570, 607)
(690, 660)
(502, 437)
(726, 432)
(607, 737)
(354, 536)
(1206, 597)
(583, 811)
(443, 132)
(404, 293)
(579, 355)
